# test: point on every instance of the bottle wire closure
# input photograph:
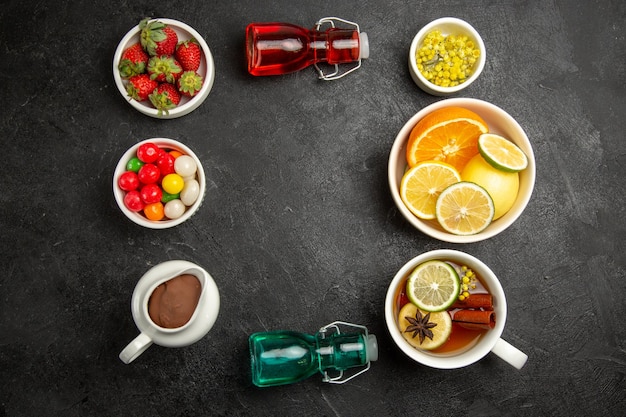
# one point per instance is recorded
(334, 329)
(362, 38)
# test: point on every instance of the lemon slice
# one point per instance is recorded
(464, 208)
(433, 286)
(422, 184)
(440, 331)
(501, 153)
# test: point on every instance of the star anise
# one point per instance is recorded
(420, 325)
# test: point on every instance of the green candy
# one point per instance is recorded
(134, 164)
(169, 197)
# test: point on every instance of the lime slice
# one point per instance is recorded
(433, 286)
(464, 208)
(422, 184)
(441, 330)
(501, 153)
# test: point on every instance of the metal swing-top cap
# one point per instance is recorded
(364, 48)
(371, 350)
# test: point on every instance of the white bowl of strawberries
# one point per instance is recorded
(164, 68)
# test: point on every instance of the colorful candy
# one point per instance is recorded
(148, 152)
(166, 197)
(134, 164)
(190, 192)
(173, 183)
(159, 183)
(165, 163)
(154, 211)
(185, 166)
(149, 174)
(128, 181)
(174, 209)
(151, 193)
(132, 200)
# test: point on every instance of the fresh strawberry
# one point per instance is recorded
(189, 83)
(157, 38)
(134, 60)
(164, 69)
(140, 86)
(189, 54)
(165, 97)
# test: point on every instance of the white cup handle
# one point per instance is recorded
(135, 348)
(510, 353)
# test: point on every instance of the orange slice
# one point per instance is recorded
(449, 134)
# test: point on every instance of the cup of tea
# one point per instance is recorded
(174, 304)
(474, 333)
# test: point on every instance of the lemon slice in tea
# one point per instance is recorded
(464, 208)
(423, 329)
(433, 286)
(422, 184)
(501, 153)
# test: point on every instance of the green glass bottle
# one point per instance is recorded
(285, 357)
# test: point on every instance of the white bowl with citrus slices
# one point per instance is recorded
(461, 170)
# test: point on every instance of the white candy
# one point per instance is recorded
(185, 166)
(189, 193)
(174, 209)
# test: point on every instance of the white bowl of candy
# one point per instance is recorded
(145, 73)
(159, 183)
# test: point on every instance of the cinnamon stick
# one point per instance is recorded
(484, 301)
(475, 319)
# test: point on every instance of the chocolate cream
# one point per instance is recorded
(172, 303)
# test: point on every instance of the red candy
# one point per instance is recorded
(149, 174)
(151, 193)
(165, 163)
(132, 200)
(148, 152)
(128, 181)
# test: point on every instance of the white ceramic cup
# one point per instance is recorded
(491, 341)
(195, 329)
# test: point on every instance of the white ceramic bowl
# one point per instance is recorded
(196, 328)
(447, 26)
(138, 217)
(488, 342)
(499, 122)
(187, 104)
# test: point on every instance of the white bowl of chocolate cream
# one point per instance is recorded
(174, 304)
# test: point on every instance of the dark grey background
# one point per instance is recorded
(298, 227)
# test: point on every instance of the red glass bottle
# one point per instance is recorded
(281, 48)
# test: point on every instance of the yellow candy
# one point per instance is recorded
(173, 183)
